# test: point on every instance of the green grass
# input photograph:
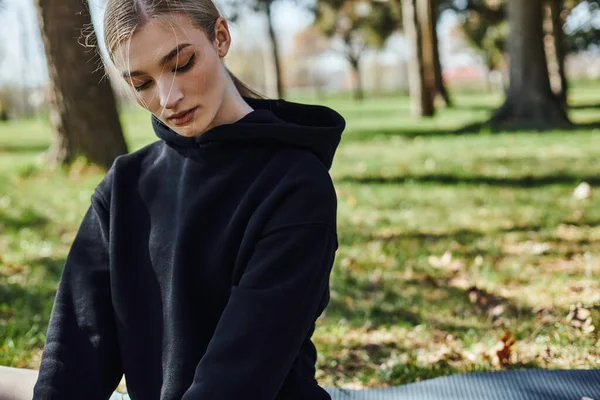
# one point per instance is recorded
(519, 249)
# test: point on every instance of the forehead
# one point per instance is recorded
(156, 39)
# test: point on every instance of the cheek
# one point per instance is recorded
(206, 76)
(148, 99)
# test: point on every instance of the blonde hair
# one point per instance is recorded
(123, 17)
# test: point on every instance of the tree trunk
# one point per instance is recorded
(426, 28)
(357, 79)
(529, 103)
(420, 93)
(555, 49)
(440, 86)
(82, 103)
(275, 49)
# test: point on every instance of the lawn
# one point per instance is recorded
(457, 252)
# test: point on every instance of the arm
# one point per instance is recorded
(81, 356)
(272, 308)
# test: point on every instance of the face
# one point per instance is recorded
(176, 72)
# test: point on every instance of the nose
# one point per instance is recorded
(170, 93)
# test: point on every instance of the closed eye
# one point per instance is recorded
(183, 68)
(142, 86)
(187, 66)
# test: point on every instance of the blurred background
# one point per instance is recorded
(468, 226)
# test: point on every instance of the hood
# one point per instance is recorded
(316, 128)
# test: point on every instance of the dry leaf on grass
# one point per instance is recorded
(505, 352)
(580, 317)
(446, 262)
(528, 247)
(583, 191)
(492, 305)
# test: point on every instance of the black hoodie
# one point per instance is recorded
(201, 266)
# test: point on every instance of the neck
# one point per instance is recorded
(233, 107)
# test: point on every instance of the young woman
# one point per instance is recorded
(204, 260)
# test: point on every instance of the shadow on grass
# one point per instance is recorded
(526, 181)
(411, 302)
(28, 218)
(459, 235)
(408, 133)
(476, 128)
(22, 303)
(412, 372)
(584, 106)
(417, 243)
(353, 237)
(475, 107)
(25, 306)
(26, 148)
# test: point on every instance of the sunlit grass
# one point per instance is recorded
(446, 242)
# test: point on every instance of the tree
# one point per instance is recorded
(485, 26)
(530, 102)
(421, 74)
(357, 24)
(555, 47)
(82, 104)
(583, 34)
(427, 30)
(440, 87)
(265, 7)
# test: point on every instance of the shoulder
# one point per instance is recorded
(304, 191)
(301, 164)
(126, 169)
(302, 172)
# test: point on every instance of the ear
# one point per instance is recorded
(222, 37)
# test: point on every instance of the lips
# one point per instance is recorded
(183, 117)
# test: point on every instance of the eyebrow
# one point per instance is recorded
(172, 54)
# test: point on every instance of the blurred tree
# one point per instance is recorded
(439, 6)
(583, 33)
(492, 11)
(238, 7)
(427, 31)
(485, 27)
(357, 24)
(421, 73)
(90, 127)
(530, 102)
(556, 48)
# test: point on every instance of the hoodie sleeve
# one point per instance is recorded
(272, 309)
(81, 356)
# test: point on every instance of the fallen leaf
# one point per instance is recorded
(583, 191)
(580, 317)
(446, 261)
(505, 352)
(497, 311)
(528, 247)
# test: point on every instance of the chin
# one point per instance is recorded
(187, 131)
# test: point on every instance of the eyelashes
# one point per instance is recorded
(142, 86)
(187, 66)
(183, 68)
